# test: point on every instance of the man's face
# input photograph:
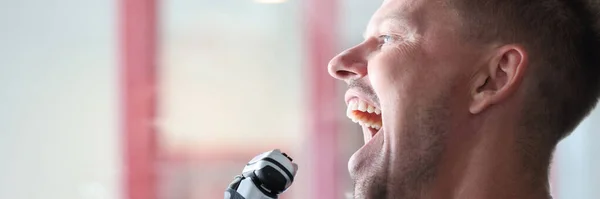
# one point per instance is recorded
(409, 81)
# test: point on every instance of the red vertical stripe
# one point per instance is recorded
(320, 16)
(138, 84)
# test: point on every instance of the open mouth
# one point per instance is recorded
(365, 114)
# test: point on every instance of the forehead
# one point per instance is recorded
(406, 13)
(404, 5)
(399, 8)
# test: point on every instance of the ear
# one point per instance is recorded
(499, 79)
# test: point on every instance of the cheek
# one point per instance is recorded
(390, 79)
(403, 84)
(394, 77)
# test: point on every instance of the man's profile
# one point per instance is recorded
(468, 98)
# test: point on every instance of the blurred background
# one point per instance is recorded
(169, 99)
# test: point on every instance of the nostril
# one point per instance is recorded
(344, 74)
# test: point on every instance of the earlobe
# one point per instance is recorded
(480, 93)
(500, 79)
(480, 102)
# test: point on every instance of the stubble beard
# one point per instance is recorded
(408, 175)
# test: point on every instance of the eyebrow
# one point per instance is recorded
(386, 22)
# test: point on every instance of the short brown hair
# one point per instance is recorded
(561, 37)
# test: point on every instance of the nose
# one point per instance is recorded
(350, 64)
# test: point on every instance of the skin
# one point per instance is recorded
(449, 109)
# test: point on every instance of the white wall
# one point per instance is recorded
(230, 62)
(578, 161)
(58, 100)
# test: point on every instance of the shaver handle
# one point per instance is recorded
(231, 191)
(232, 194)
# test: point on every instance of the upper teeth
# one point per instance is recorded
(363, 106)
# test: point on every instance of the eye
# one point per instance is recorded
(385, 39)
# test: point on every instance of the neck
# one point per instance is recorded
(488, 163)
